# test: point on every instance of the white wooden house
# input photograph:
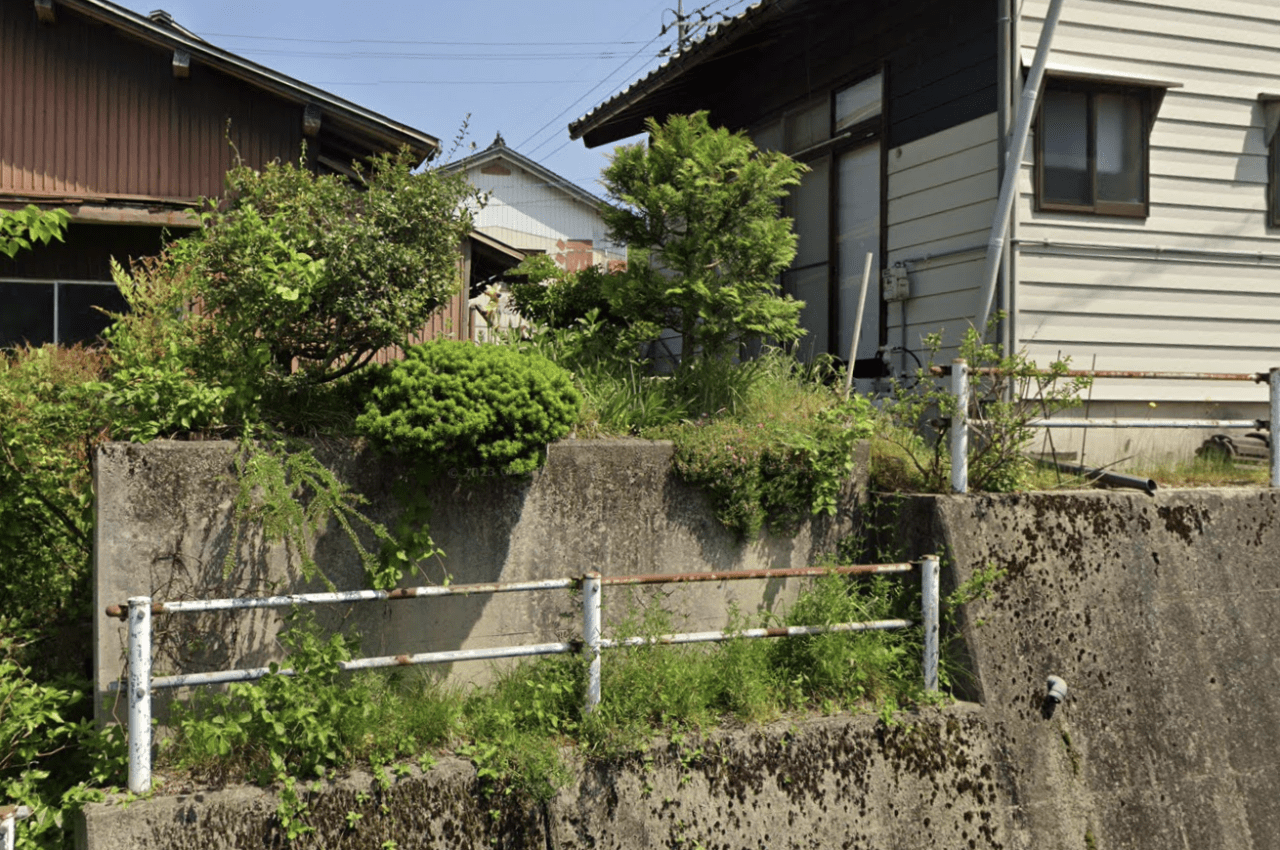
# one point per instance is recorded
(535, 210)
(1145, 229)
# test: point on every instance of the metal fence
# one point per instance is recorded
(9, 817)
(139, 610)
(959, 372)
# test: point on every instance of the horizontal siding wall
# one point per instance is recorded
(527, 213)
(941, 198)
(1196, 285)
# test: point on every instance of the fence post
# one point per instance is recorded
(139, 727)
(591, 637)
(1275, 426)
(929, 581)
(960, 427)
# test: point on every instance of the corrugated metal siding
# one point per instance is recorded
(1191, 292)
(941, 194)
(86, 111)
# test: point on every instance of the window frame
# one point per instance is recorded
(1090, 88)
(1271, 120)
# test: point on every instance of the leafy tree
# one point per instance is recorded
(294, 266)
(20, 229)
(701, 206)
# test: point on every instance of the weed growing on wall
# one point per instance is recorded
(515, 730)
(283, 490)
(780, 470)
(1006, 392)
(307, 718)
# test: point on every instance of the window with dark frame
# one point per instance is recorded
(1091, 150)
(1271, 120)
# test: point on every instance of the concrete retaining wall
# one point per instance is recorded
(835, 783)
(1161, 613)
(164, 530)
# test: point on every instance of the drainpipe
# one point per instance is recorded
(1013, 162)
(1009, 73)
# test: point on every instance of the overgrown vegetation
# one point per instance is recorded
(321, 720)
(262, 327)
(1006, 392)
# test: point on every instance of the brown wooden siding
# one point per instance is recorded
(86, 111)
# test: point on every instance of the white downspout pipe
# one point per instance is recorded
(1013, 163)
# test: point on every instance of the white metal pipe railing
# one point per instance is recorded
(139, 723)
(141, 684)
(960, 431)
(1273, 382)
(959, 372)
(9, 817)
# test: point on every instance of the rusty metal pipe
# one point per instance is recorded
(1256, 377)
(731, 575)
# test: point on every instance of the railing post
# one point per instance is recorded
(1275, 426)
(591, 637)
(139, 727)
(929, 582)
(960, 427)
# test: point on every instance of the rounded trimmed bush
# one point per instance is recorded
(472, 409)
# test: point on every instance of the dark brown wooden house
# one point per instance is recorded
(126, 121)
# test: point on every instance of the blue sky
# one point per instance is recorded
(522, 68)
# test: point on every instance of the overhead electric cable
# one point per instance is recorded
(561, 114)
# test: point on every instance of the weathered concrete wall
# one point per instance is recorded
(164, 530)
(834, 783)
(1161, 613)
(1163, 616)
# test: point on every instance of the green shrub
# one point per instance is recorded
(476, 410)
(777, 470)
(557, 299)
(50, 750)
(50, 423)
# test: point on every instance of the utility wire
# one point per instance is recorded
(536, 43)
(699, 11)
(561, 114)
(486, 57)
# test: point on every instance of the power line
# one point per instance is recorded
(452, 57)
(336, 83)
(561, 114)
(699, 11)
(432, 43)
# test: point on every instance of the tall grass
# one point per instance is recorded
(514, 730)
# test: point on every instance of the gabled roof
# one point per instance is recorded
(499, 150)
(162, 31)
(600, 125)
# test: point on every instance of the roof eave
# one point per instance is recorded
(342, 112)
(516, 158)
(588, 127)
